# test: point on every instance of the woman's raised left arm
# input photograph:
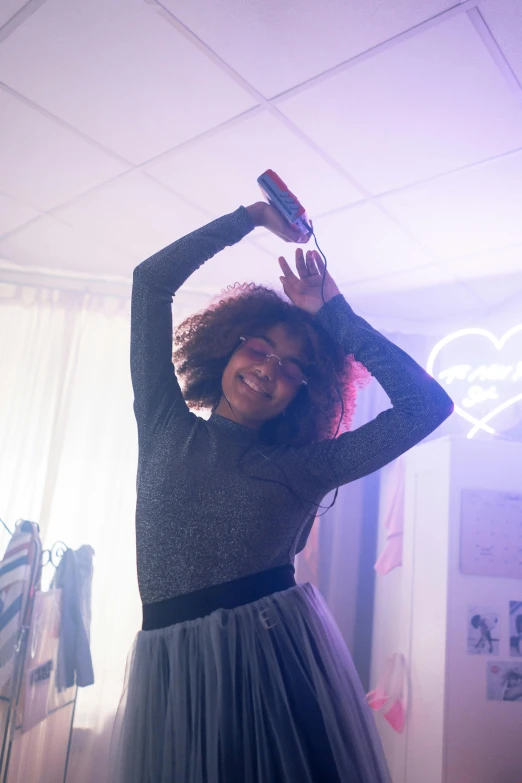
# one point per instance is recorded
(419, 403)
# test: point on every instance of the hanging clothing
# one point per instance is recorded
(390, 695)
(263, 691)
(74, 578)
(38, 696)
(307, 562)
(393, 505)
(19, 576)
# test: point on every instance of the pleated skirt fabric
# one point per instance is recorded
(262, 693)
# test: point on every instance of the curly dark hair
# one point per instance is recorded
(205, 341)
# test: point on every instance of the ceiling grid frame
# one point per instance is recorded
(469, 7)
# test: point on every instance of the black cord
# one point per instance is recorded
(310, 228)
(287, 485)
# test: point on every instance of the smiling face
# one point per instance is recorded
(256, 387)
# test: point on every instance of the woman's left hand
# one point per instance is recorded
(305, 291)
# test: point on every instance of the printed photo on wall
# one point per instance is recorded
(504, 681)
(515, 628)
(483, 630)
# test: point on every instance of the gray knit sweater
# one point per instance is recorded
(201, 519)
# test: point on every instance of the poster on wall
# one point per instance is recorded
(515, 628)
(483, 630)
(490, 524)
(504, 681)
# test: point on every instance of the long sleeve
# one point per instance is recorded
(157, 395)
(73, 577)
(419, 403)
(83, 664)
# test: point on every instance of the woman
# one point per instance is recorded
(239, 674)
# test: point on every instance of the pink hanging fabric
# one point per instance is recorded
(393, 503)
(391, 694)
(307, 561)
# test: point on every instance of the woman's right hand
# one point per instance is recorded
(267, 216)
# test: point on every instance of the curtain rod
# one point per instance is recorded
(119, 287)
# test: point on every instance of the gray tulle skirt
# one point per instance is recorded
(263, 693)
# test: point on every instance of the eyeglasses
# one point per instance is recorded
(255, 349)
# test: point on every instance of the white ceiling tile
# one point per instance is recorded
(13, 214)
(468, 212)
(49, 243)
(486, 266)
(431, 104)
(504, 19)
(360, 243)
(220, 170)
(421, 277)
(242, 263)
(9, 8)
(423, 304)
(275, 45)
(499, 291)
(133, 213)
(44, 164)
(428, 104)
(119, 73)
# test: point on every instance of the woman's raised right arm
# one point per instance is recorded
(157, 395)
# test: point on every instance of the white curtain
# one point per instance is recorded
(68, 462)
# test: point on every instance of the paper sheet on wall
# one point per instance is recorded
(504, 681)
(491, 533)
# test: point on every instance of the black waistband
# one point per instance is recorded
(224, 596)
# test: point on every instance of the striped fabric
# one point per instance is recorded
(19, 571)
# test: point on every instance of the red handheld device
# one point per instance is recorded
(279, 196)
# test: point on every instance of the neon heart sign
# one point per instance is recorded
(480, 389)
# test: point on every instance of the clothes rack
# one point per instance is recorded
(12, 729)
